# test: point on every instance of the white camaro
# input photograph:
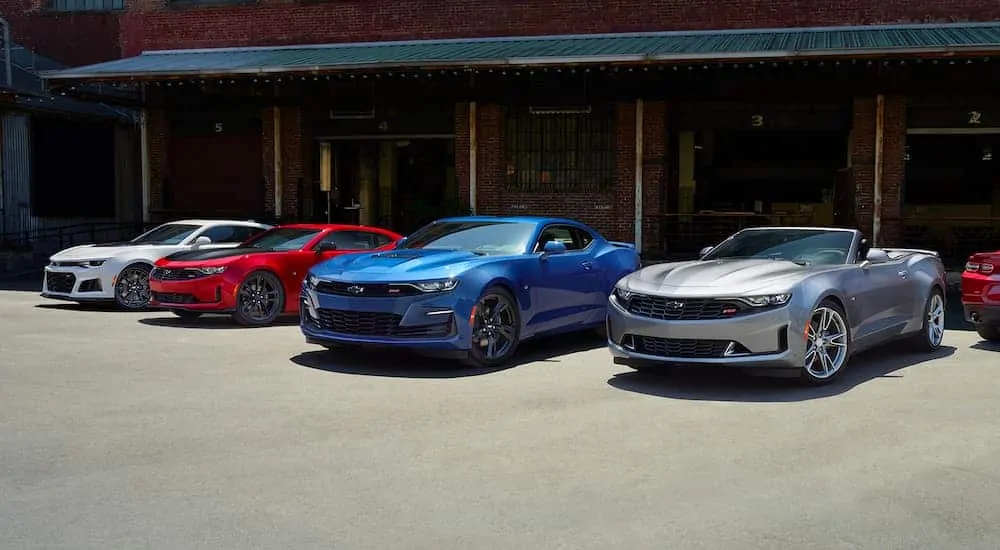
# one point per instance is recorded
(120, 271)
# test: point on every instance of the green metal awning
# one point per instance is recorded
(663, 47)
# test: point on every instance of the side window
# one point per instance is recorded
(245, 233)
(573, 238)
(228, 234)
(356, 240)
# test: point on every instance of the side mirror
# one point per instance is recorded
(704, 251)
(326, 246)
(875, 256)
(553, 247)
(203, 240)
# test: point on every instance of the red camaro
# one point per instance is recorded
(981, 294)
(260, 279)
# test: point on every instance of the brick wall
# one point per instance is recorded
(151, 25)
(612, 213)
(863, 160)
(70, 38)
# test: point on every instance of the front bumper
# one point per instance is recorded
(210, 293)
(435, 321)
(768, 339)
(78, 284)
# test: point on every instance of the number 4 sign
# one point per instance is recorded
(975, 117)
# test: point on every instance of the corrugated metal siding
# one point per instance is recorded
(17, 176)
(661, 46)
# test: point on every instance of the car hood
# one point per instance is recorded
(402, 264)
(212, 256)
(99, 251)
(718, 277)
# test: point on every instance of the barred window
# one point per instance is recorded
(553, 151)
(86, 5)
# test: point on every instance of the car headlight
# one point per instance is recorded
(210, 270)
(312, 280)
(443, 285)
(767, 300)
(622, 295)
(94, 263)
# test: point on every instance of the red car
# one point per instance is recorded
(260, 279)
(981, 294)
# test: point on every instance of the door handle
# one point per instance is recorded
(586, 265)
(903, 274)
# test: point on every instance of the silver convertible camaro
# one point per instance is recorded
(778, 301)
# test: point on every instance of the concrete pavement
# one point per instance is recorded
(123, 430)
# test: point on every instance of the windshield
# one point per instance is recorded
(492, 238)
(170, 233)
(803, 246)
(282, 239)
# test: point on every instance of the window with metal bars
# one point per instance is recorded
(86, 5)
(550, 151)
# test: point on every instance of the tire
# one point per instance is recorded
(932, 331)
(260, 299)
(818, 367)
(132, 287)
(503, 329)
(185, 314)
(990, 333)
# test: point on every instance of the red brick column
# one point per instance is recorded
(490, 198)
(622, 225)
(462, 141)
(291, 155)
(893, 168)
(158, 132)
(654, 137)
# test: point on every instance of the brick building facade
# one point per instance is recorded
(704, 92)
(73, 32)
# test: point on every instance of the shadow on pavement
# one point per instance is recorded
(404, 364)
(986, 346)
(954, 317)
(211, 322)
(110, 307)
(730, 385)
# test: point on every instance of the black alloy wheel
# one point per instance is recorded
(496, 328)
(260, 299)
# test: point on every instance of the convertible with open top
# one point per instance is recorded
(794, 301)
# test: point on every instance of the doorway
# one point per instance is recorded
(399, 184)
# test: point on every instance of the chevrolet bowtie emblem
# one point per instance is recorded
(674, 305)
(355, 289)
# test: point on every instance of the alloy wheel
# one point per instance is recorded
(259, 298)
(935, 320)
(132, 287)
(826, 348)
(494, 329)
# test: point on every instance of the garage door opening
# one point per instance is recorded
(951, 193)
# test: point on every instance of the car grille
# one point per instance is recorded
(162, 274)
(686, 348)
(60, 282)
(681, 309)
(172, 298)
(363, 290)
(367, 323)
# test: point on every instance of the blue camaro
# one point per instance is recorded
(475, 286)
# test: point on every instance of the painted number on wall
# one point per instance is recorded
(757, 121)
(218, 127)
(975, 117)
